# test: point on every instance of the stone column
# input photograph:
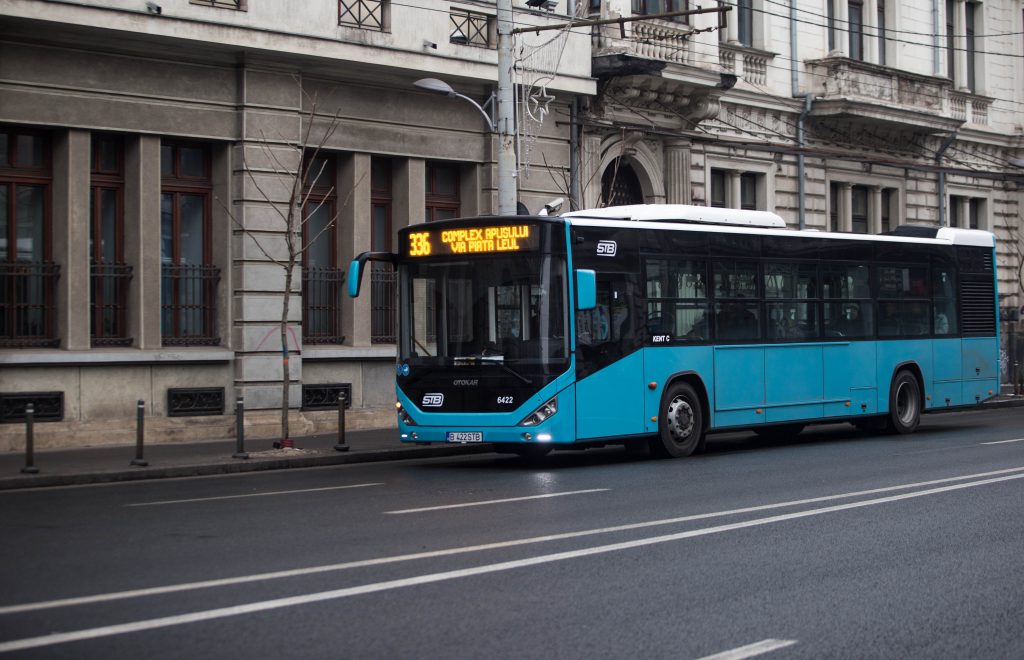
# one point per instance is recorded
(71, 216)
(409, 195)
(263, 164)
(142, 238)
(875, 210)
(960, 45)
(734, 191)
(870, 32)
(846, 208)
(841, 31)
(353, 239)
(677, 171)
(590, 171)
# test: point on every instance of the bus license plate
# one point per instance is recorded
(465, 436)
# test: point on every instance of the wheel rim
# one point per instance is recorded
(906, 403)
(680, 420)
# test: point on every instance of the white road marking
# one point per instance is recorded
(430, 578)
(1003, 442)
(508, 499)
(267, 494)
(430, 554)
(752, 650)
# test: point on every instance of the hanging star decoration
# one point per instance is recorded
(537, 107)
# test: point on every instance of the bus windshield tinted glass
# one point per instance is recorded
(501, 310)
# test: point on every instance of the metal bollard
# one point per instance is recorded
(240, 429)
(30, 468)
(140, 432)
(341, 446)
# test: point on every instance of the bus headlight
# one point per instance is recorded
(409, 421)
(542, 413)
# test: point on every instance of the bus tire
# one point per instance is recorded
(904, 403)
(680, 424)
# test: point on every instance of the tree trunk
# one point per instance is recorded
(286, 440)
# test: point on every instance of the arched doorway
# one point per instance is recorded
(620, 185)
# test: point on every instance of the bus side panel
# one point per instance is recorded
(947, 388)
(850, 378)
(893, 353)
(793, 382)
(662, 363)
(610, 402)
(980, 368)
(739, 385)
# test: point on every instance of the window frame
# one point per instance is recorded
(435, 201)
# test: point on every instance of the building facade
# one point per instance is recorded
(148, 152)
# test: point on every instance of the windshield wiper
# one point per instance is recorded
(497, 360)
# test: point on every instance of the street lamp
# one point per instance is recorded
(441, 87)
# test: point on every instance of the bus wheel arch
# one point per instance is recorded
(906, 399)
(682, 418)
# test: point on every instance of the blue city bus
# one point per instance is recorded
(659, 323)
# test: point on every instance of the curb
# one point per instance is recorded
(237, 466)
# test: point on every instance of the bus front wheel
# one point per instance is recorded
(681, 423)
(904, 403)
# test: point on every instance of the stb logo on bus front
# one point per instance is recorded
(433, 400)
(607, 248)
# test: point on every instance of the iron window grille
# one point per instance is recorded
(27, 300)
(46, 406)
(224, 4)
(382, 327)
(470, 28)
(108, 304)
(195, 401)
(321, 313)
(188, 308)
(363, 14)
(326, 396)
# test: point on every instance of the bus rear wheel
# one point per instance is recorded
(904, 403)
(680, 425)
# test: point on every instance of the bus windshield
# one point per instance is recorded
(502, 310)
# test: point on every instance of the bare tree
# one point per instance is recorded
(297, 175)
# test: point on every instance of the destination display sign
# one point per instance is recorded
(472, 240)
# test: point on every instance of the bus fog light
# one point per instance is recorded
(543, 437)
(527, 437)
(549, 408)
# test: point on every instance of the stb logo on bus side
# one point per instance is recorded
(433, 400)
(607, 248)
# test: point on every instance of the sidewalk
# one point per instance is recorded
(63, 467)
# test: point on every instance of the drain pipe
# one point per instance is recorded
(943, 222)
(801, 137)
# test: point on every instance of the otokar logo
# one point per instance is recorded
(607, 248)
(433, 400)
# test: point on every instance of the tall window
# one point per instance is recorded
(28, 277)
(442, 191)
(189, 278)
(321, 277)
(881, 32)
(718, 184)
(382, 321)
(748, 191)
(887, 199)
(951, 39)
(645, 7)
(856, 29)
(109, 275)
(834, 193)
(973, 8)
(745, 22)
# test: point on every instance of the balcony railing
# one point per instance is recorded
(363, 14)
(28, 304)
(189, 305)
(469, 28)
(108, 303)
(654, 39)
(748, 65)
(382, 302)
(321, 305)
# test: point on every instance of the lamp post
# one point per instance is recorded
(504, 124)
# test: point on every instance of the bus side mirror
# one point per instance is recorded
(586, 289)
(355, 271)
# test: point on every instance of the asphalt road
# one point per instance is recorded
(833, 544)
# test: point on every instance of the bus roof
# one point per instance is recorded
(732, 220)
(683, 213)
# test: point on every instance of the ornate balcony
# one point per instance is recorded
(869, 94)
